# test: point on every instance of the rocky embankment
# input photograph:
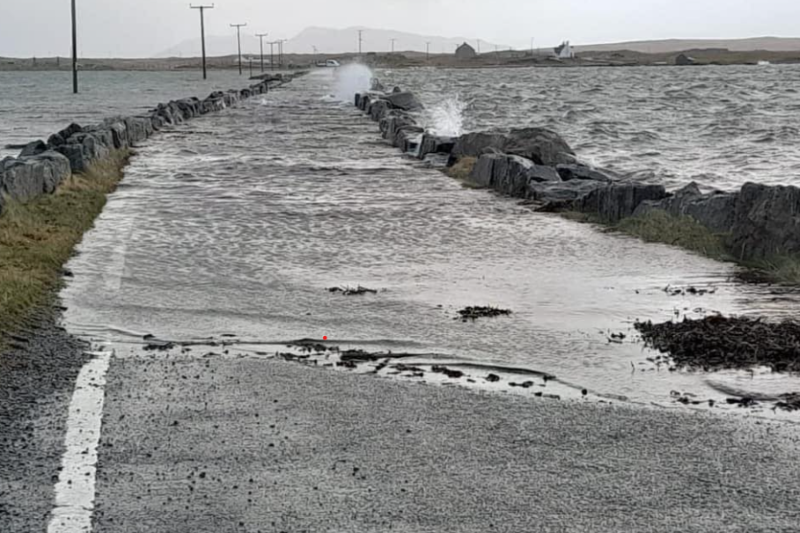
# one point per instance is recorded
(758, 223)
(42, 166)
(535, 164)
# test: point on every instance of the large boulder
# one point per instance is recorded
(27, 178)
(767, 222)
(575, 171)
(139, 129)
(540, 145)
(81, 149)
(560, 196)
(435, 144)
(34, 148)
(616, 201)
(378, 109)
(716, 210)
(57, 139)
(404, 101)
(510, 174)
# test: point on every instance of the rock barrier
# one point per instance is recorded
(537, 165)
(42, 166)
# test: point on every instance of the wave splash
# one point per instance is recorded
(351, 79)
(447, 117)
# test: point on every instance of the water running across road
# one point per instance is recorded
(237, 223)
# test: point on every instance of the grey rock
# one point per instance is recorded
(34, 148)
(57, 139)
(404, 101)
(557, 196)
(573, 171)
(616, 201)
(716, 210)
(767, 222)
(407, 138)
(510, 174)
(27, 178)
(81, 149)
(434, 144)
(540, 145)
(685, 60)
(378, 109)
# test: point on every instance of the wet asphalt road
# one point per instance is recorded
(252, 445)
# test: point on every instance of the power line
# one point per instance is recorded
(239, 42)
(261, 38)
(202, 33)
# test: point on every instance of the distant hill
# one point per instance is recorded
(770, 44)
(330, 41)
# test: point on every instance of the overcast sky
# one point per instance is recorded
(135, 28)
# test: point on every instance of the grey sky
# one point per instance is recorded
(145, 27)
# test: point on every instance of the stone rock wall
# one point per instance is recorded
(42, 166)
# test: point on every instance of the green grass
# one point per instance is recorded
(689, 234)
(38, 238)
(684, 231)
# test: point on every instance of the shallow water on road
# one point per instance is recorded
(237, 223)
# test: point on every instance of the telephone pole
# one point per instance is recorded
(74, 49)
(280, 51)
(427, 51)
(261, 38)
(360, 40)
(203, 33)
(239, 42)
(393, 41)
(272, 54)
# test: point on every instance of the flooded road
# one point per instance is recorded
(237, 224)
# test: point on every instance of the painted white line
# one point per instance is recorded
(76, 483)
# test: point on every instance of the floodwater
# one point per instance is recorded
(238, 222)
(721, 126)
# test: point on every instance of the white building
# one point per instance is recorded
(565, 51)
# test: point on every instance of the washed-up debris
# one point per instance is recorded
(789, 402)
(683, 291)
(159, 346)
(526, 385)
(718, 342)
(360, 356)
(308, 346)
(350, 291)
(474, 313)
(453, 374)
(492, 378)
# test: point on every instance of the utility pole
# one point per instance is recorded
(202, 33)
(74, 49)
(393, 41)
(261, 38)
(360, 40)
(479, 47)
(532, 46)
(239, 42)
(272, 54)
(427, 51)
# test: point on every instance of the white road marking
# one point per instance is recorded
(75, 490)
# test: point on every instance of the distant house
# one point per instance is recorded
(565, 51)
(684, 60)
(465, 51)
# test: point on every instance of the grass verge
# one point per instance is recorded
(462, 171)
(687, 233)
(38, 238)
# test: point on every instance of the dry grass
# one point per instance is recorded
(463, 168)
(37, 239)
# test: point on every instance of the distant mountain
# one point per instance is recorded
(216, 45)
(769, 44)
(330, 41)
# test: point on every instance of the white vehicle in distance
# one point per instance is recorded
(330, 63)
